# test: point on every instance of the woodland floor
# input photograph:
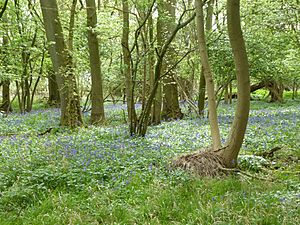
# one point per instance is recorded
(101, 175)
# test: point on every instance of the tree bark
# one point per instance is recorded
(3, 8)
(5, 106)
(202, 83)
(53, 99)
(97, 114)
(71, 26)
(276, 91)
(171, 109)
(201, 95)
(127, 68)
(157, 101)
(213, 119)
(238, 129)
(63, 65)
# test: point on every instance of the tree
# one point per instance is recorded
(211, 162)
(166, 25)
(143, 120)
(238, 129)
(97, 114)
(3, 8)
(202, 83)
(62, 64)
(5, 106)
(128, 69)
(213, 119)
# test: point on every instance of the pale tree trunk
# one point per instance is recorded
(202, 83)
(97, 114)
(238, 129)
(213, 119)
(171, 109)
(62, 64)
(127, 68)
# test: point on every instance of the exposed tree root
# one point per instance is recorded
(208, 164)
(203, 163)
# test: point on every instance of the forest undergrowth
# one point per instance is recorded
(101, 175)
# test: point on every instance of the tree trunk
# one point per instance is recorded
(171, 109)
(127, 69)
(276, 91)
(226, 94)
(97, 114)
(53, 99)
(238, 129)
(202, 83)
(144, 117)
(213, 119)
(157, 101)
(5, 106)
(230, 92)
(63, 65)
(71, 26)
(201, 95)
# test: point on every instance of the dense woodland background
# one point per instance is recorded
(105, 104)
(271, 31)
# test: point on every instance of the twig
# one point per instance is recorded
(244, 173)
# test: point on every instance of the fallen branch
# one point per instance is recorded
(269, 154)
(236, 170)
(46, 131)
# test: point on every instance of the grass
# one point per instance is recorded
(101, 175)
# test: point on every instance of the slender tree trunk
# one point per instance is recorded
(53, 99)
(239, 125)
(156, 108)
(226, 95)
(127, 69)
(230, 92)
(97, 114)
(27, 99)
(3, 8)
(144, 117)
(63, 66)
(213, 119)
(202, 83)
(5, 106)
(71, 26)
(201, 95)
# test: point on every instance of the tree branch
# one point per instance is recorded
(3, 8)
